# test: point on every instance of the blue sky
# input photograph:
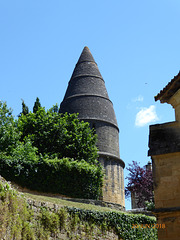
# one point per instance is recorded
(135, 44)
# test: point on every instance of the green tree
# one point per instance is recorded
(61, 135)
(9, 135)
(25, 109)
(37, 104)
(31, 145)
(55, 108)
(24, 152)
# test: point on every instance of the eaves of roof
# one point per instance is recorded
(169, 90)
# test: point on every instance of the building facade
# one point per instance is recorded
(164, 149)
(86, 94)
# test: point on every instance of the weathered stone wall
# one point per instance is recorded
(113, 188)
(164, 149)
(164, 138)
(89, 85)
(169, 224)
(108, 137)
(79, 231)
(166, 172)
(90, 107)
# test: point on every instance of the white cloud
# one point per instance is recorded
(138, 99)
(145, 116)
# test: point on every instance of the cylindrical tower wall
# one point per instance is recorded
(108, 137)
(113, 188)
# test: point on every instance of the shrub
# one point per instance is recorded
(65, 176)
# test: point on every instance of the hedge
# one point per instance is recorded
(64, 176)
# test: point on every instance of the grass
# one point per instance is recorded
(68, 203)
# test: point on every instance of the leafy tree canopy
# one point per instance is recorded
(39, 146)
(8, 131)
(60, 135)
(37, 104)
(140, 183)
(25, 109)
(51, 133)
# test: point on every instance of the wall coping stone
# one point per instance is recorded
(171, 209)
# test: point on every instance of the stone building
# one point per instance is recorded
(87, 95)
(164, 149)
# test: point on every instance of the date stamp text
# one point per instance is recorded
(157, 226)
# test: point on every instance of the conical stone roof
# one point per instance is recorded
(86, 93)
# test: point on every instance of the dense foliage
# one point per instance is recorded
(127, 227)
(58, 135)
(8, 131)
(37, 105)
(50, 152)
(140, 183)
(64, 176)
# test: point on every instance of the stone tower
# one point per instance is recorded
(87, 95)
